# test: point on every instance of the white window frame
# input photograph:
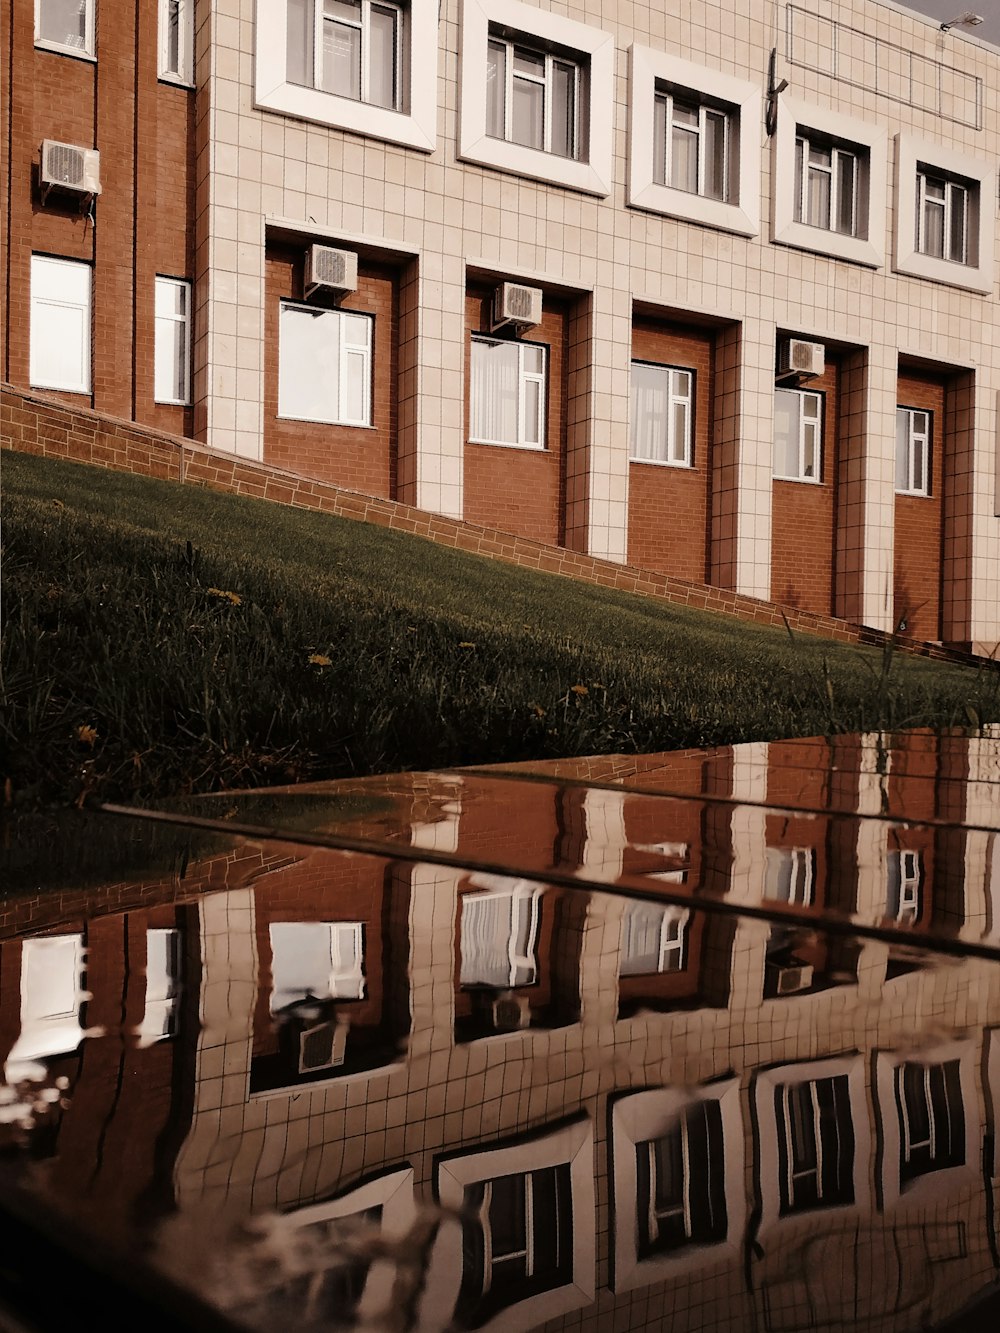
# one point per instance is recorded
(801, 863)
(806, 143)
(346, 978)
(514, 48)
(47, 1028)
(85, 52)
(912, 447)
(413, 125)
(672, 949)
(572, 1144)
(182, 285)
(666, 103)
(345, 354)
(950, 188)
(363, 28)
(640, 1118)
(678, 454)
(539, 30)
(37, 375)
(805, 395)
(163, 985)
(797, 120)
(521, 954)
(908, 865)
(523, 378)
(184, 73)
(944, 1182)
(915, 160)
(650, 71)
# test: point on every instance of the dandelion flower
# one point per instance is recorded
(319, 659)
(579, 689)
(86, 735)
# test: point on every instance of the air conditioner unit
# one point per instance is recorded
(801, 358)
(330, 270)
(511, 1013)
(67, 167)
(791, 980)
(517, 306)
(323, 1046)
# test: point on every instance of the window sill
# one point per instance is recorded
(916, 495)
(73, 52)
(663, 462)
(799, 481)
(944, 271)
(503, 444)
(853, 249)
(318, 421)
(61, 388)
(177, 82)
(172, 402)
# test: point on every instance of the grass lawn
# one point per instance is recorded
(160, 639)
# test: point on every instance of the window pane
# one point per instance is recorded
(355, 392)
(810, 449)
(660, 141)
(64, 21)
(299, 57)
(846, 163)
(532, 412)
(173, 53)
(60, 324)
(493, 392)
(382, 57)
(170, 360)
(957, 240)
(496, 82)
(341, 59)
(786, 433)
(308, 363)
(902, 449)
(350, 10)
(933, 226)
(715, 155)
(171, 298)
(528, 113)
(357, 330)
(679, 437)
(533, 359)
(650, 397)
(818, 199)
(563, 108)
(684, 159)
(526, 62)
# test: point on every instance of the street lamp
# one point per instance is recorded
(966, 20)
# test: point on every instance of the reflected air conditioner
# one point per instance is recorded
(516, 306)
(511, 1013)
(802, 359)
(323, 1046)
(330, 270)
(792, 980)
(65, 166)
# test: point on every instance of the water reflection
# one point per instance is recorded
(404, 1092)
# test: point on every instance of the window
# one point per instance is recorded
(324, 365)
(815, 1144)
(162, 986)
(51, 996)
(507, 393)
(788, 877)
(532, 98)
(65, 25)
(351, 48)
(537, 93)
(944, 228)
(691, 145)
(830, 183)
(826, 179)
(798, 435)
(498, 937)
(660, 426)
(943, 208)
(904, 873)
(316, 960)
(177, 40)
(366, 66)
(913, 451)
(932, 1118)
(653, 939)
(681, 1183)
(172, 369)
(60, 324)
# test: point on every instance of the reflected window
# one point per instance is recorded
(499, 936)
(51, 996)
(653, 939)
(519, 1243)
(789, 875)
(316, 961)
(932, 1118)
(680, 1179)
(904, 875)
(815, 1144)
(162, 986)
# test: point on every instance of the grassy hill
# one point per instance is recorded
(161, 639)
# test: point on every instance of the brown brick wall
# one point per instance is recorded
(360, 458)
(918, 550)
(803, 520)
(521, 490)
(37, 424)
(144, 215)
(668, 507)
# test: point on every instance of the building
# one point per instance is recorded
(710, 292)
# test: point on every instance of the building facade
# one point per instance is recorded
(757, 345)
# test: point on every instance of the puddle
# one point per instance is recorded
(695, 1041)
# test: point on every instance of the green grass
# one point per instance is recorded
(129, 673)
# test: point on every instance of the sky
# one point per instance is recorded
(989, 10)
